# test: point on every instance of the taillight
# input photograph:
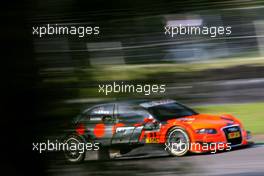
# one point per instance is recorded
(80, 129)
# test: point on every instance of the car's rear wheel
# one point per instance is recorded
(73, 153)
(177, 142)
(76, 152)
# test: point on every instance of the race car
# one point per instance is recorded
(126, 125)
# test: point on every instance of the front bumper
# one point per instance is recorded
(220, 140)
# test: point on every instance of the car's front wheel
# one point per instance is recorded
(177, 142)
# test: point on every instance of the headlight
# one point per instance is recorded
(206, 131)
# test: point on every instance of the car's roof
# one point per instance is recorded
(133, 102)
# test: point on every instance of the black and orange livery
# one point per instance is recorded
(128, 124)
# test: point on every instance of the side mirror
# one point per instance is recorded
(149, 126)
(152, 126)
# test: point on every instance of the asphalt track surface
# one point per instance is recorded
(152, 160)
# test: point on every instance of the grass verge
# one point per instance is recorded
(251, 114)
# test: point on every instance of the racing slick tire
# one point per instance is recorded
(177, 142)
(74, 156)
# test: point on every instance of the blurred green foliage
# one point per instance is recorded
(251, 114)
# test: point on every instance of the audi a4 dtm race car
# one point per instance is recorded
(126, 125)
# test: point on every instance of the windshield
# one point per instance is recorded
(169, 111)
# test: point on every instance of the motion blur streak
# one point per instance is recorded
(140, 161)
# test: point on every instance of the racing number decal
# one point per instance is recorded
(152, 138)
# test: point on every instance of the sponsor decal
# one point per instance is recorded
(156, 103)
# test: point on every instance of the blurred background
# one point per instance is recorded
(132, 48)
(52, 78)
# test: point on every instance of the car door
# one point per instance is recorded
(100, 123)
(130, 123)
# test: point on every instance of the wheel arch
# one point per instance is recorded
(188, 130)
